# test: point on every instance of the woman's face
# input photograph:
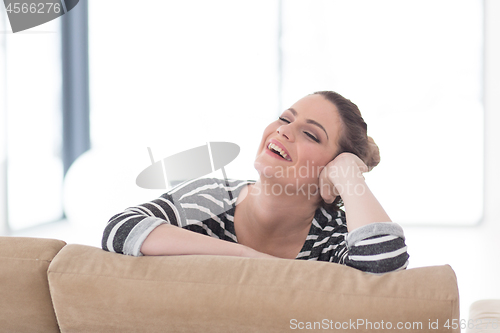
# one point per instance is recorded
(301, 142)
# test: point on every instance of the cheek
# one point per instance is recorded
(325, 159)
(271, 128)
(315, 160)
(315, 154)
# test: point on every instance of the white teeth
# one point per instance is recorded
(279, 150)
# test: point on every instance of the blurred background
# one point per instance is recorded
(82, 98)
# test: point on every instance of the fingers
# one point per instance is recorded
(361, 165)
(339, 174)
(350, 159)
(327, 189)
(329, 199)
(363, 168)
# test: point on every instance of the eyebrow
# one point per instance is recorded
(310, 121)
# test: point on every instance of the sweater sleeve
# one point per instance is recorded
(376, 248)
(125, 232)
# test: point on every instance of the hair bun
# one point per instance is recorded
(373, 155)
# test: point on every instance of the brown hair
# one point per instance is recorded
(353, 137)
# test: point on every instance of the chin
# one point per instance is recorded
(284, 174)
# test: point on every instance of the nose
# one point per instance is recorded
(286, 131)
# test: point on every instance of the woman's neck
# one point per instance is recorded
(275, 222)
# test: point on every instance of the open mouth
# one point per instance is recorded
(278, 151)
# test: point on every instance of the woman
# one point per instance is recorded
(310, 163)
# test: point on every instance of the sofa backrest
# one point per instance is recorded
(98, 291)
(25, 302)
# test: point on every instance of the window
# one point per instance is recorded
(198, 71)
(32, 122)
(44, 113)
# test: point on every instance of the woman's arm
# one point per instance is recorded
(361, 206)
(344, 176)
(167, 239)
(154, 228)
(373, 244)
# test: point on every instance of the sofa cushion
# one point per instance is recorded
(98, 291)
(484, 316)
(25, 303)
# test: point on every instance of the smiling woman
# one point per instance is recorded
(306, 160)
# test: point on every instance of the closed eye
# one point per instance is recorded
(312, 136)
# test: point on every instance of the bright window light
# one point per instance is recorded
(33, 116)
(190, 72)
(414, 68)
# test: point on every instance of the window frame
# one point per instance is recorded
(74, 104)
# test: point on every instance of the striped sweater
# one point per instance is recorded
(207, 206)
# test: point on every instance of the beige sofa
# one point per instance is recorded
(48, 286)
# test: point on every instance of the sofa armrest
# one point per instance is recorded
(98, 291)
(25, 303)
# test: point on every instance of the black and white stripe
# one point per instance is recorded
(207, 206)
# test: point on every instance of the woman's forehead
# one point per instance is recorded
(318, 108)
(321, 110)
(311, 105)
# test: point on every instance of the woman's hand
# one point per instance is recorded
(344, 176)
(340, 176)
